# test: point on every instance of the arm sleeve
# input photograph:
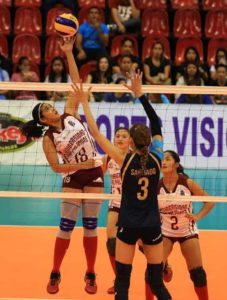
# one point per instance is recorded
(152, 116)
(157, 148)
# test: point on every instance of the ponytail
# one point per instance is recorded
(32, 129)
(141, 136)
(144, 157)
(180, 170)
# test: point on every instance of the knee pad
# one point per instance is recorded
(111, 246)
(198, 276)
(67, 225)
(153, 277)
(90, 223)
(122, 281)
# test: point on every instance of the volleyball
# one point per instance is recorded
(66, 24)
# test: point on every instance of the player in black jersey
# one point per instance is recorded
(139, 215)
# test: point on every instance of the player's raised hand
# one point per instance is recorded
(67, 43)
(136, 83)
(79, 93)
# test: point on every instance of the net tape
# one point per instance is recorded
(155, 89)
(95, 196)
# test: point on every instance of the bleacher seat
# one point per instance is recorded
(143, 4)
(116, 44)
(36, 3)
(155, 23)
(28, 20)
(51, 16)
(5, 20)
(214, 5)
(187, 23)
(87, 68)
(183, 44)
(90, 3)
(216, 24)
(7, 3)
(213, 46)
(148, 44)
(26, 45)
(83, 13)
(179, 4)
(4, 49)
(52, 48)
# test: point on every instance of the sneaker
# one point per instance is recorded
(91, 286)
(53, 284)
(167, 273)
(111, 290)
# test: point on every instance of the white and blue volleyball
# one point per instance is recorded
(66, 24)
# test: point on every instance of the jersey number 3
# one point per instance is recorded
(144, 183)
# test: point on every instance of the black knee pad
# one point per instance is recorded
(198, 276)
(153, 277)
(122, 281)
(111, 246)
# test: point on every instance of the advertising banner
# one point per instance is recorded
(197, 132)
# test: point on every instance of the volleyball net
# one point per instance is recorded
(198, 133)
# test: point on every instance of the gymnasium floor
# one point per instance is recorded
(27, 233)
(26, 257)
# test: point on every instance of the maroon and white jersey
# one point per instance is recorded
(73, 143)
(115, 175)
(174, 222)
(116, 183)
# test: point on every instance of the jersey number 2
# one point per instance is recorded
(144, 183)
(174, 223)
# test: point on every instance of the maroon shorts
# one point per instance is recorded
(181, 239)
(80, 179)
(114, 208)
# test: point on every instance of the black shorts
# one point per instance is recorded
(80, 179)
(148, 235)
(180, 240)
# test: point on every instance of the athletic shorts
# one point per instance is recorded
(80, 179)
(114, 205)
(148, 235)
(181, 239)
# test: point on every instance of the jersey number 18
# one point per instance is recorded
(81, 156)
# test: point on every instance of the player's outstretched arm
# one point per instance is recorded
(136, 88)
(103, 142)
(71, 105)
(156, 132)
(67, 45)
